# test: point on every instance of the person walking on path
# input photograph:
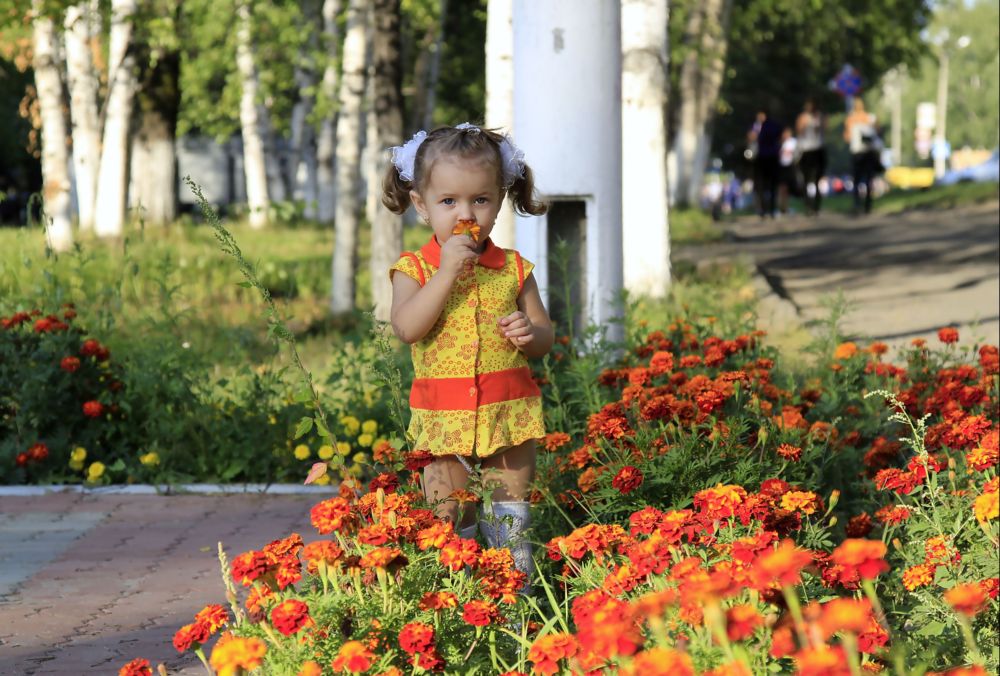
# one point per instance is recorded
(862, 139)
(788, 180)
(473, 315)
(764, 144)
(810, 128)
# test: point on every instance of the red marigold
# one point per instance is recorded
(38, 452)
(864, 558)
(416, 637)
(661, 362)
(555, 440)
(321, 551)
(845, 614)
(290, 616)
(719, 502)
(436, 535)
(93, 409)
(458, 552)
(991, 586)
(548, 650)
(893, 514)
(353, 656)
(741, 622)
(249, 566)
(331, 515)
(920, 575)
(137, 667)
(214, 616)
(480, 613)
(789, 452)
(69, 364)
(440, 600)
(859, 526)
(191, 635)
(948, 335)
(967, 598)
(989, 360)
(628, 479)
(783, 565)
(822, 660)
(662, 662)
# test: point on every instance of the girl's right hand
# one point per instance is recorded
(458, 254)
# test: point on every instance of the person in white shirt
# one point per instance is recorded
(810, 128)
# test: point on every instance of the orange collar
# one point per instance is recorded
(492, 256)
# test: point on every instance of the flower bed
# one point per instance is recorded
(699, 512)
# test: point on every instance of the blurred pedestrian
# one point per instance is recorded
(810, 128)
(763, 146)
(787, 172)
(863, 141)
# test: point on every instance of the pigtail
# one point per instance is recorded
(523, 196)
(395, 190)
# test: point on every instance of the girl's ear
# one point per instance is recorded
(418, 203)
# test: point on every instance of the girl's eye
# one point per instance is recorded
(482, 200)
(448, 200)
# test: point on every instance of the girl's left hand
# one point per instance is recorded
(517, 328)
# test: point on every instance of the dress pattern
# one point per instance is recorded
(472, 392)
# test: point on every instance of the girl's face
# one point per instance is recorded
(459, 189)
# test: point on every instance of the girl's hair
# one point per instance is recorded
(468, 143)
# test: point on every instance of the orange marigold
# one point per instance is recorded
(789, 452)
(986, 507)
(438, 601)
(214, 616)
(845, 350)
(741, 622)
(920, 575)
(331, 515)
(967, 598)
(845, 614)
(660, 662)
(864, 558)
(480, 613)
(802, 501)
(353, 656)
(290, 616)
(720, 502)
(310, 668)
(232, 654)
(948, 335)
(137, 667)
(822, 660)
(191, 636)
(548, 650)
(555, 440)
(782, 565)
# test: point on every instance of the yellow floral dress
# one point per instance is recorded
(472, 393)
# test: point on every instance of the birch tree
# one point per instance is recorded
(109, 210)
(326, 141)
(387, 227)
(701, 78)
(500, 95)
(55, 157)
(254, 159)
(645, 82)
(348, 170)
(302, 165)
(82, 32)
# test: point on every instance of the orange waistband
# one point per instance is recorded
(465, 394)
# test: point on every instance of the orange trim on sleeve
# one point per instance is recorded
(520, 272)
(420, 268)
(466, 394)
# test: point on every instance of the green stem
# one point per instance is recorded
(201, 656)
(795, 608)
(970, 639)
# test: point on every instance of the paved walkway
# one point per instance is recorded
(907, 274)
(89, 582)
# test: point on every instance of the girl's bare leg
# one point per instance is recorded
(514, 469)
(441, 478)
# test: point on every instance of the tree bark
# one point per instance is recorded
(434, 74)
(302, 163)
(112, 178)
(500, 96)
(154, 160)
(82, 29)
(387, 227)
(254, 160)
(645, 82)
(701, 79)
(55, 156)
(326, 142)
(348, 170)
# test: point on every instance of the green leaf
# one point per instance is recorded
(305, 424)
(932, 628)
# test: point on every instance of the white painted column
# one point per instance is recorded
(567, 118)
(500, 96)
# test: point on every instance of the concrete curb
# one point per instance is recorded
(166, 489)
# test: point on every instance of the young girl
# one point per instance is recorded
(473, 315)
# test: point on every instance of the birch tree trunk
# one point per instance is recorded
(500, 96)
(82, 29)
(254, 161)
(701, 79)
(348, 170)
(55, 156)
(645, 82)
(302, 164)
(387, 227)
(153, 187)
(434, 73)
(112, 178)
(326, 141)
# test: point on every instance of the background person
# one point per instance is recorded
(810, 128)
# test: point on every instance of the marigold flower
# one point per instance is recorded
(137, 667)
(548, 650)
(789, 452)
(893, 514)
(967, 598)
(290, 616)
(986, 507)
(845, 351)
(214, 616)
(782, 643)
(354, 657)
(385, 558)
(864, 558)
(628, 479)
(659, 662)
(191, 635)
(310, 668)
(231, 655)
(70, 364)
(948, 335)
(859, 526)
(845, 614)
(249, 566)
(480, 613)
(821, 660)
(782, 565)
(440, 600)
(920, 575)
(741, 622)
(555, 440)
(93, 409)
(417, 460)
(719, 502)
(331, 515)
(991, 586)
(324, 551)
(436, 535)
(939, 550)
(802, 501)
(416, 637)
(458, 553)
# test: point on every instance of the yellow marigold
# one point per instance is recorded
(232, 654)
(343, 448)
(802, 501)
(918, 576)
(78, 454)
(302, 452)
(150, 459)
(845, 350)
(323, 480)
(987, 507)
(366, 440)
(369, 427)
(310, 668)
(95, 471)
(325, 452)
(351, 424)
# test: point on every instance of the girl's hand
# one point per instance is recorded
(458, 254)
(517, 328)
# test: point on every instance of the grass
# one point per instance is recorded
(937, 197)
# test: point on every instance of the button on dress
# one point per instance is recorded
(472, 393)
